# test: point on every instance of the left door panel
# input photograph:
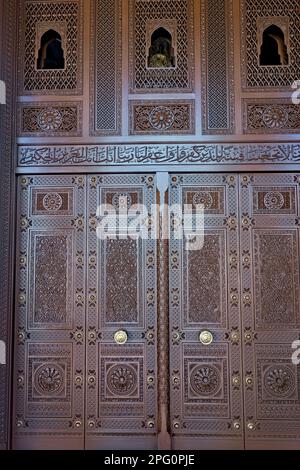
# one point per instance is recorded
(49, 377)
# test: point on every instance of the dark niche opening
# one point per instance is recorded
(51, 54)
(273, 49)
(161, 52)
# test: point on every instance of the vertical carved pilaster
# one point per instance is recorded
(164, 439)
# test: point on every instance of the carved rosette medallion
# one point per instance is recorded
(122, 380)
(205, 380)
(275, 117)
(203, 198)
(52, 202)
(161, 118)
(279, 381)
(49, 379)
(274, 200)
(50, 119)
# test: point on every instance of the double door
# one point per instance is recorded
(135, 341)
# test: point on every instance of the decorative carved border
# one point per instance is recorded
(8, 15)
(217, 95)
(162, 117)
(96, 98)
(60, 127)
(185, 154)
(270, 116)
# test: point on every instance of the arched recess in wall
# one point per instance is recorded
(161, 51)
(51, 52)
(273, 49)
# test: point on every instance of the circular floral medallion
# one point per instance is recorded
(52, 202)
(49, 379)
(274, 200)
(205, 380)
(203, 198)
(122, 380)
(275, 117)
(50, 119)
(122, 201)
(161, 118)
(279, 381)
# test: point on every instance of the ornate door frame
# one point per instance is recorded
(8, 15)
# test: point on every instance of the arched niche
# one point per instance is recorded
(161, 44)
(50, 46)
(273, 42)
(51, 53)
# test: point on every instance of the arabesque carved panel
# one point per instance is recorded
(162, 117)
(50, 119)
(276, 116)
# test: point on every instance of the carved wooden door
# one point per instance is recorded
(48, 398)
(206, 370)
(121, 399)
(270, 264)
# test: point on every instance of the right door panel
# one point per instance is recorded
(206, 388)
(270, 262)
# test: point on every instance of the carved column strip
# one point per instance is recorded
(7, 66)
(164, 439)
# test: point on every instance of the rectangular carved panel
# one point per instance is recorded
(204, 281)
(162, 117)
(121, 284)
(50, 119)
(49, 380)
(217, 66)
(50, 313)
(177, 18)
(262, 116)
(270, 276)
(256, 18)
(106, 67)
(36, 18)
(122, 290)
(276, 278)
(206, 391)
(50, 280)
(274, 200)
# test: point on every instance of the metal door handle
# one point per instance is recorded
(206, 337)
(121, 337)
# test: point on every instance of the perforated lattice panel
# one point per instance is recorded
(279, 76)
(60, 15)
(180, 77)
(106, 69)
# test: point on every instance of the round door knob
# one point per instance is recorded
(121, 337)
(206, 337)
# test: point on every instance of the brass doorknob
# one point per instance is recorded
(206, 337)
(121, 337)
